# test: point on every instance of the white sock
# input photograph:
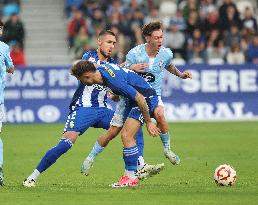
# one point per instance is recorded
(140, 162)
(35, 174)
(130, 174)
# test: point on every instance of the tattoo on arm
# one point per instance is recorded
(139, 98)
(173, 69)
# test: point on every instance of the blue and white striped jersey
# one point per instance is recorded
(90, 96)
(5, 64)
(154, 73)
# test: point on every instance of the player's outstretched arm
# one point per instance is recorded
(184, 75)
(142, 104)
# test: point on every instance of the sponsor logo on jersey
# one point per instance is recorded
(149, 77)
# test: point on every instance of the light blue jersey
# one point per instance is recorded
(154, 73)
(5, 64)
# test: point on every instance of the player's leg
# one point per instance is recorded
(130, 153)
(165, 136)
(98, 148)
(105, 119)
(76, 124)
(1, 146)
(145, 170)
(108, 119)
(65, 143)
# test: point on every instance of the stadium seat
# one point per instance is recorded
(168, 8)
(178, 61)
(216, 61)
(196, 60)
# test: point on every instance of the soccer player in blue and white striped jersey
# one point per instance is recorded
(6, 66)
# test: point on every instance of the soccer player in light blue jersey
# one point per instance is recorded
(6, 66)
(149, 60)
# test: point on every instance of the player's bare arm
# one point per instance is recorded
(152, 129)
(139, 67)
(11, 70)
(184, 75)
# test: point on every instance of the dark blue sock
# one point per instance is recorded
(140, 142)
(130, 155)
(53, 154)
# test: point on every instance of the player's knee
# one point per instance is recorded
(125, 136)
(72, 136)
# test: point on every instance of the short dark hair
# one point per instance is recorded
(1, 23)
(106, 32)
(81, 67)
(147, 29)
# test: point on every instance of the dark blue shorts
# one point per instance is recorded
(134, 112)
(84, 117)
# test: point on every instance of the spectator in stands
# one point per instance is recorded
(195, 47)
(121, 44)
(230, 19)
(207, 6)
(98, 18)
(175, 40)
(249, 22)
(178, 20)
(17, 55)
(137, 23)
(232, 36)
(153, 15)
(224, 7)
(252, 51)
(191, 5)
(211, 21)
(192, 22)
(81, 41)
(75, 23)
(71, 5)
(14, 30)
(216, 52)
(116, 6)
(235, 55)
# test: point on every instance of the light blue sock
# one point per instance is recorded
(97, 149)
(165, 138)
(1, 152)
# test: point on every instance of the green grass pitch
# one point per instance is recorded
(201, 146)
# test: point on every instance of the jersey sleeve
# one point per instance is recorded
(86, 55)
(8, 61)
(117, 84)
(169, 57)
(130, 58)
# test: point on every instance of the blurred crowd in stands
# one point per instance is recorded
(14, 31)
(197, 31)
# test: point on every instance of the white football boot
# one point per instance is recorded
(29, 183)
(86, 166)
(149, 170)
(172, 157)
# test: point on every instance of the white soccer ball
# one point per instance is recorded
(225, 175)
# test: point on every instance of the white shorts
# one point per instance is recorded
(2, 115)
(117, 120)
(160, 101)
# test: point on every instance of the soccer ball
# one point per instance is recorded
(225, 175)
